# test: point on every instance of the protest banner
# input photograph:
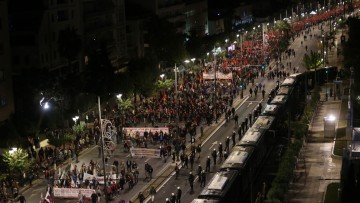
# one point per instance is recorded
(137, 132)
(72, 193)
(145, 152)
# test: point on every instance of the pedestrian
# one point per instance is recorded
(220, 149)
(198, 150)
(214, 155)
(263, 93)
(94, 197)
(152, 194)
(191, 182)
(233, 137)
(199, 172)
(22, 198)
(178, 195)
(250, 118)
(177, 171)
(80, 197)
(191, 161)
(141, 197)
(203, 178)
(172, 198)
(207, 168)
(236, 119)
(227, 142)
(186, 161)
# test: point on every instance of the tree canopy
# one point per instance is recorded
(166, 43)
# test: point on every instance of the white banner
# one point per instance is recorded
(145, 152)
(139, 132)
(72, 192)
(219, 76)
(100, 179)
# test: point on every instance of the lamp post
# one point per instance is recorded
(215, 94)
(75, 118)
(102, 149)
(177, 103)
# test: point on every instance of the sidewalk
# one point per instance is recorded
(319, 166)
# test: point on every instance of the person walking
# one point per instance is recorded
(207, 168)
(191, 182)
(94, 197)
(152, 194)
(178, 195)
(233, 137)
(227, 142)
(214, 155)
(22, 198)
(198, 150)
(141, 197)
(203, 178)
(220, 149)
(177, 171)
(173, 198)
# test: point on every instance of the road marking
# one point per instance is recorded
(213, 144)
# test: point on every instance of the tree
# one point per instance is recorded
(69, 44)
(165, 43)
(163, 85)
(17, 161)
(284, 27)
(313, 62)
(98, 76)
(143, 73)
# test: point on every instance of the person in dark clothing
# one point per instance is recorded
(94, 197)
(207, 169)
(191, 182)
(22, 199)
(178, 195)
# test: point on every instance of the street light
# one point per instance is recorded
(119, 96)
(162, 76)
(13, 150)
(75, 118)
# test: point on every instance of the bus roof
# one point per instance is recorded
(271, 109)
(237, 158)
(285, 90)
(279, 99)
(288, 82)
(219, 185)
(263, 122)
(252, 136)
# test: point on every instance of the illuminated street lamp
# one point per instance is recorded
(187, 61)
(75, 118)
(162, 76)
(329, 126)
(13, 150)
(119, 96)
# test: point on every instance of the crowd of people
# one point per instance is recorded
(198, 102)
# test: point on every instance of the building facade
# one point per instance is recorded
(6, 86)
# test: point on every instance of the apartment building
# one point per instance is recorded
(6, 86)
